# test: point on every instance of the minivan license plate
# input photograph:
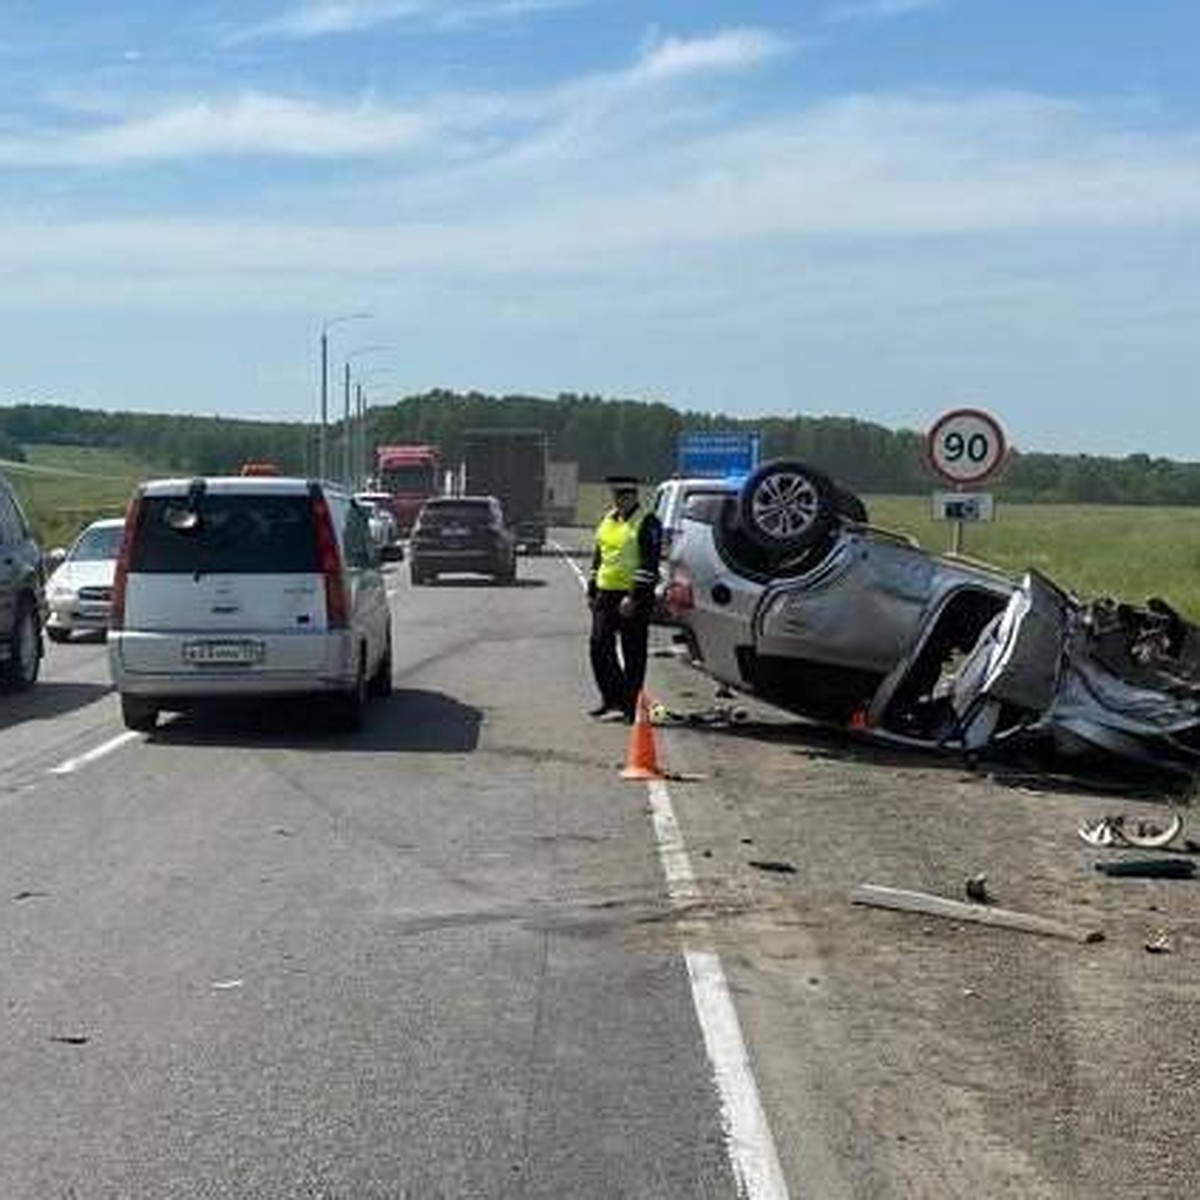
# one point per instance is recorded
(222, 653)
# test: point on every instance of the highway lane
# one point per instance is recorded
(247, 958)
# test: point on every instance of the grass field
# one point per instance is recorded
(1131, 553)
(62, 488)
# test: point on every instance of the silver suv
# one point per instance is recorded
(22, 597)
(233, 587)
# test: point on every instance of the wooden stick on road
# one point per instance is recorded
(875, 896)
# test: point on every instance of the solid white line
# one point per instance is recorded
(73, 764)
(749, 1141)
(570, 563)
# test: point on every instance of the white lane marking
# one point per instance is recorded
(749, 1141)
(82, 760)
(562, 553)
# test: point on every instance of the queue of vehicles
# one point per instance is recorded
(776, 582)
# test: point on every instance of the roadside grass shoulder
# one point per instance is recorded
(1128, 552)
(63, 488)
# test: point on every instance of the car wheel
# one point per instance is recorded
(139, 713)
(381, 681)
(58, 635)
(21, 670)
(787, 506)
(346, 708)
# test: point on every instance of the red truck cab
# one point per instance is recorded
(409, 475)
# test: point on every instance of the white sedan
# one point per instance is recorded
(79, 592)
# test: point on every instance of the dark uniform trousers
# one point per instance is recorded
(619, 681)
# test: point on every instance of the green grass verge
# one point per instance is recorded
(1131, 553)
(63, 488)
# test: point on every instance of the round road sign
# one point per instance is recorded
(966, 445)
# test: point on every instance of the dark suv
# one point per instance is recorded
(22, 597)
(462, 534)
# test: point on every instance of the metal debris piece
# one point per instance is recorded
(226, 985)
(977, 889)
(776, 868)
(899, 900)
(70, 1039)
(1160, 943)
(1120, 830)
(1149, 868)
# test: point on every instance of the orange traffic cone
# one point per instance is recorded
(641, 759)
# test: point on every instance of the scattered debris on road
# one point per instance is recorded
(29, 894)
(70, 1039)
(1120, 830)
(226, 985)
(900, 900)
(976, 889)
(775, 868)
(1149, 868)
(1160, 943)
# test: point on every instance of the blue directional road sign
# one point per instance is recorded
(717, 455)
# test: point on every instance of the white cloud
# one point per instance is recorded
(323, 18)
(900, 168)
(265, 125)
(729, 49)
(879, 10)
(249, 124)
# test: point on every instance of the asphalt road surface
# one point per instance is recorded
(454, 955)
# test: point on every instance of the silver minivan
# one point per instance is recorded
(243, 586)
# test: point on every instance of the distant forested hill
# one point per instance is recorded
(205, 445)
(602, 435)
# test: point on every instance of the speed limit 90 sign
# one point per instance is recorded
(966, 445)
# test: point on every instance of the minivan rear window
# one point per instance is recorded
(243, 534)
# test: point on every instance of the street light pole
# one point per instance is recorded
(323, 437)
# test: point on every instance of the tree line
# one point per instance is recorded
(602, 435)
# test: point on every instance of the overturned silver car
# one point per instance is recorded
(780, 592)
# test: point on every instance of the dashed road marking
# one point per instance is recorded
(749, 1141)
(82, 760)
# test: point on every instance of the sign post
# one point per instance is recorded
(965, 446)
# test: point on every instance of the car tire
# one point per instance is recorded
(58, 635)
(138, 713)
(20, 672)
(787, 506)
(850, 506)
(346, 709)
(381, 681)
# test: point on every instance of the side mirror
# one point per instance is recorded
(53, 559)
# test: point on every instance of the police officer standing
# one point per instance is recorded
(621, 596)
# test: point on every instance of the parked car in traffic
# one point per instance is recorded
(781, 594)
(79, 591)
(22, 596)
(247, 586)
(385, 532)
(462, 534)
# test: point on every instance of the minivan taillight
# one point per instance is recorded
(116, 614)
(329, 562)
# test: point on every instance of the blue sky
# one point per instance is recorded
(877, 208)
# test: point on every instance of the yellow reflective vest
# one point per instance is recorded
(620, 558)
